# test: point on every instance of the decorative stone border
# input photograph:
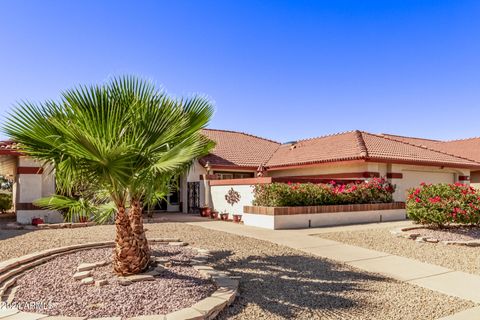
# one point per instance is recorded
(205, 309)
(64, 225)
(404, 233)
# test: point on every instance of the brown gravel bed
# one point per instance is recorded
(277, 282)
(51, 284)
(450, 234)
(459, 258)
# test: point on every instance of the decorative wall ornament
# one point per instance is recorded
(232, 197)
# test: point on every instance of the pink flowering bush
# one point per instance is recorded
(443, 204)
(376, 190)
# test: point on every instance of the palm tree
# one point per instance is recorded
(125, 137)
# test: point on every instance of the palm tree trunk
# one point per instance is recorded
(136, 221)
(131, 254)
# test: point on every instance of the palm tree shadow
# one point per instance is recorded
(282, 285)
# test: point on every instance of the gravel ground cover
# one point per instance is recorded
(52, 284)
(452, 233)
(277, 282)
(459, 258)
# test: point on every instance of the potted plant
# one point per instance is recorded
(205, 211)
(214, 214)
(37, 221)
(237, 218)
(224, 216)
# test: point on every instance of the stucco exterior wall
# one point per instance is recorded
(220, 204)
(475, 179)
(30, 187)
(412, 176)
(322, 169)
(321, 219)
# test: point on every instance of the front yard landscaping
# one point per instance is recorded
(277, 282)
(459, 258)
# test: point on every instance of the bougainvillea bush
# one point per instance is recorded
(376, 190)
(443, 204)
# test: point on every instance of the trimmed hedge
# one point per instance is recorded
(5, 202)
(376, 190)
(442, 204)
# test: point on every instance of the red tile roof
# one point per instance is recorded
(359, 145)
(381, 147)
(9, 147)
(337, 147)
(466, 148)
(238, 149)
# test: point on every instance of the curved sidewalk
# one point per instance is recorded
(454, 283)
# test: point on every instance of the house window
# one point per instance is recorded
(233, 175)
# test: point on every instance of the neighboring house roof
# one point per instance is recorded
(360, 145)
(238, 149)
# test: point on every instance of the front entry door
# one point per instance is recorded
(193, 191)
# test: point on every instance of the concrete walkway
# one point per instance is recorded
(454, 283)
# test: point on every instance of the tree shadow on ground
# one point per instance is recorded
(9, 233)
(290, 285)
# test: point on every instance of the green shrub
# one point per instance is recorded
(5, 202)
(376, 190)
(442, 204)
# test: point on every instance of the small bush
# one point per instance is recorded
(442, 204)
(5, 202)
(376, 190)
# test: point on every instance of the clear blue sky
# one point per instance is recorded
(280, 69)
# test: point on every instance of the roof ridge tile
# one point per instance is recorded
(361, 144)
(244, 133)
(326, 136)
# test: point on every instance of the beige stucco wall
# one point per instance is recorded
(414, 175)
(30, 187)
(475, 179)
(322, 169)
(220, 204)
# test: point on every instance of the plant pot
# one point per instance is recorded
(37, 221)
(214, 215)
(205, 212)
(237, 218)
(224, 216)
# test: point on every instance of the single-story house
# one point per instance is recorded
(242, 159)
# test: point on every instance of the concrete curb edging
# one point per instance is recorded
(205, 309)
(404, 233)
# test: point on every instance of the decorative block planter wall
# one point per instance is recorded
(321, 216)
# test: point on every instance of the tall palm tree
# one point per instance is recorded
(125, 137)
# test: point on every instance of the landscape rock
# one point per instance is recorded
(82, 275)
(178, 244)
(88, 280)
(101, 283)
(86, 267)
(138, 277)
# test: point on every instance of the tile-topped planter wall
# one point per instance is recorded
(322, 216)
